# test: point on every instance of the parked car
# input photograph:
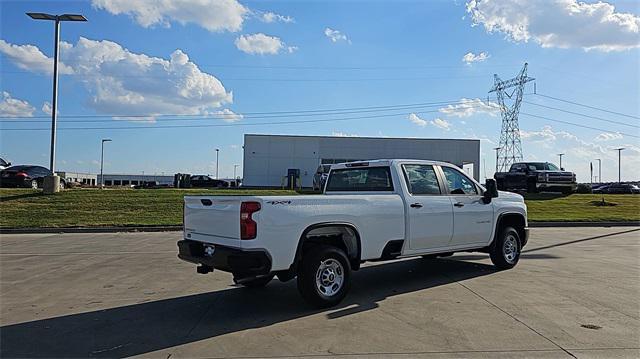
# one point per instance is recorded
(206, 181)
(320, 177)
(373, 210)
(618, 188)
(29, 176)
(534, 177)
(4, 164)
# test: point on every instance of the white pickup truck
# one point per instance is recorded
(374, 210)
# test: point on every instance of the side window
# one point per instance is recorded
(421, 179)
(458, 183)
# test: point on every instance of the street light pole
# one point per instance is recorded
(217, 152)
(560, 155)
(53, 185)
(599, 170)
(497, 149)
(102, 162)
(619, 157)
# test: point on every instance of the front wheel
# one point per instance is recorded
(505, 249)
(324, 276)
(34, 184)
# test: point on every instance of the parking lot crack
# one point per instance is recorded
(514, 318)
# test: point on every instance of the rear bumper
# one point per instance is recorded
(14, 182)
(227, 259)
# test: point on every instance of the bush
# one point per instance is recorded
(583, 188)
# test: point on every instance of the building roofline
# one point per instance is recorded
(366, 137)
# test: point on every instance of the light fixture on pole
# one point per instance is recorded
(102, 162)
(560, 155)
(497, 149)
(619, 157)
(53, 183)
(217, 153)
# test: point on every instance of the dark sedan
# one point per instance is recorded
(206, 181)
(28, 176)
(618, 188)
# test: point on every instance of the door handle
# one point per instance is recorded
(459, 204)
(415, 205)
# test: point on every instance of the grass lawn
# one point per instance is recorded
(128, 207)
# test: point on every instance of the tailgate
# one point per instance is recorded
(212, 216)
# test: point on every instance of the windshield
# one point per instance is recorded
(552, 167)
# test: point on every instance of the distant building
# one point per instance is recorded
(87, 179)
(268, 158)
(134, 180)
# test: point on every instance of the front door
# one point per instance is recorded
(429, 211)
(472, 218)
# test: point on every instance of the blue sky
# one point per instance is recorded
(232, 59)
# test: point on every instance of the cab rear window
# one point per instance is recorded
(360, 179)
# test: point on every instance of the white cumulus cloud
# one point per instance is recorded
(441, 124)
(46, 108)
(228, 116)
(417, 120)
(261, 44)
(609, 136)
(123, 82)
(29, 57)
(469, 107)
(270, 17)
(13, 107)
(213, 15)
(559, 23)
(335, 35)
(470, 57)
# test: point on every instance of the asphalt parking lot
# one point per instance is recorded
(574, 293)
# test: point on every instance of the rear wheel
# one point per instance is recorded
(324, 276)
(505, 249)
(254, 282)
(34, 184)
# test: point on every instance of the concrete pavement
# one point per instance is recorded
(574, 293)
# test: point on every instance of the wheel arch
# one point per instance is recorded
(350, 243)
(514, 219)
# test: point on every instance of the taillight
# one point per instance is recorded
(248, 227)
(22, 174)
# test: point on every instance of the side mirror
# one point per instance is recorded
(491, 190)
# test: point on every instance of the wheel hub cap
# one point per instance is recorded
(329, 277)
(510, 249)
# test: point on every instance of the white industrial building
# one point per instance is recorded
(268, 158)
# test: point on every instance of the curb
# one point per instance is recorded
(91, 229)
(584, 224)
(177, 228)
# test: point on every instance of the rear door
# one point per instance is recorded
(429, 212)
(472, 218)
(212, 218)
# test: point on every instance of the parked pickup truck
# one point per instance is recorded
(534, 177)
(375, 210)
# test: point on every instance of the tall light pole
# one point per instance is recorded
(619, 152)
(217, 152)
(53, 185)
(560, 155)
(102, 162)
(497, 149)
(599, 170)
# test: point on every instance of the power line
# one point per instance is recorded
(587, 106)
(318, 112)
(582, 114)
(576, 124)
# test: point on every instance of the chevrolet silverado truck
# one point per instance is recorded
(534, 177)
(369, 211)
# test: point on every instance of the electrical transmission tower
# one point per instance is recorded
(510, 149)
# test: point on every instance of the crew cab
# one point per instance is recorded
(534, 177)
(369, 211)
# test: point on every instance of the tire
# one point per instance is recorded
(34, 184)
(255, 282)
(333, 271)
(505, 249)
(62, 185)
